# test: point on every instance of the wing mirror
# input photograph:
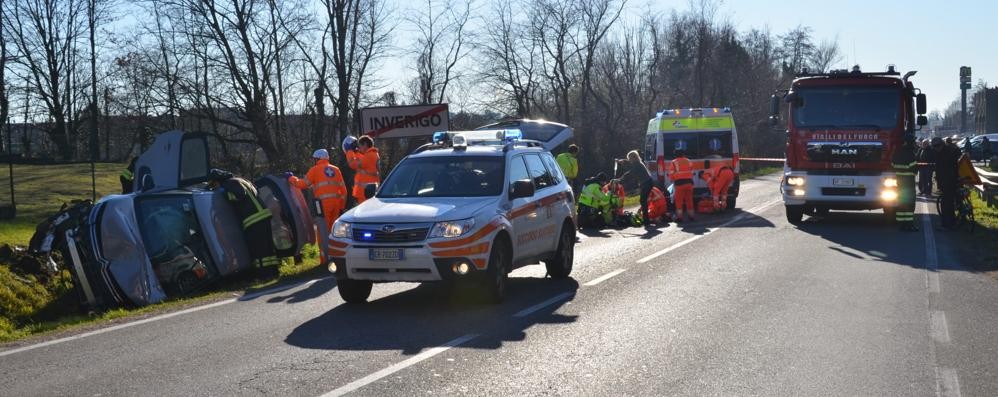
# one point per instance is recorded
(774, 110)
(920, 106)
(370, 190)
(521, 188)
(921, 120)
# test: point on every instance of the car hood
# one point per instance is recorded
(423, 209)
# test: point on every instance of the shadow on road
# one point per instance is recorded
(431, 314)
(313, 291)
(868, 236)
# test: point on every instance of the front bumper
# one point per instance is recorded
(840, 191)
(419, 263)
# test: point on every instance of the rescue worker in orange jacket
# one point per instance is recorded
(327, 186)
(681, 174)
(363, 160)
(719, 179)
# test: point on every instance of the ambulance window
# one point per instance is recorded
(553, 168)
(687, 141)
(650, 147)
(541, 176)
(517, 170)
(715, 145)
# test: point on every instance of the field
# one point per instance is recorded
(32, 303)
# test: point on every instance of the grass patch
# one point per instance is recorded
(983, 242)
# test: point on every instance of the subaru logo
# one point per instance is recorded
(388, 228)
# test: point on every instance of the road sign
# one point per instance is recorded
(964, 86)
(964, 71)
(965, 79)
(405, 121)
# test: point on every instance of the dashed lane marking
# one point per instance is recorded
(530, 310)
(359, 383)
(160, 317)
(734, 220)
(938, 328)
(949, 385)
(604, 277)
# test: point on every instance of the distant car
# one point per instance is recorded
(468, 208)
(173, 235)
(977, 151)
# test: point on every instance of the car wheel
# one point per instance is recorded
(498, 272)
(795, 213)
(354, 291)
(821, 211)
(186, 282)
(560, 264)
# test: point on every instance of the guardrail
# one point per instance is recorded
(988, 187)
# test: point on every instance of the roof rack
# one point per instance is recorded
(843, 73)
(524, 143)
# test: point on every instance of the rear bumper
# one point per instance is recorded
(844, 192)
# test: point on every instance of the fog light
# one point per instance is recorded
(891, 182)
(798, 192)
(332, 267)
(460, 268)
(889, 195)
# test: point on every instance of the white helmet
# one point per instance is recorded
(320, 154)
(349, 143)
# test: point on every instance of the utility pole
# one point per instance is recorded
(964, 86)
(92, 16)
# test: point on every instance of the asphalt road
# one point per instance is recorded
(735, 304)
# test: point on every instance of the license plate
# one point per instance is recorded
(386, 254)
(842, 182)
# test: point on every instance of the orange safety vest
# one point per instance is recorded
(365, 166)
(326, 182)
(680, 168)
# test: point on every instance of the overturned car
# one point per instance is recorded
(173, 235)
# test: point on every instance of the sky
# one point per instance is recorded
(933, 37)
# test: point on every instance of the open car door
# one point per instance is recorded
(176, 159)
(291, 219)
(549, 133)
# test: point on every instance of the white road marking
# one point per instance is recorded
(709, 231)
(604, 277)
(159, 317)
(357, 384)
(950, 382)
(530, 310)
(937, 326)
(934, 283)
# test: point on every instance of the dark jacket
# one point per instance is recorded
(947, 171)
(637, 174)
(927, 155)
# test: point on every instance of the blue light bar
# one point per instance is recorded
(440, 136)
(367, 235)
(512, 135)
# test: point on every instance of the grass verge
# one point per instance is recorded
(982, 244)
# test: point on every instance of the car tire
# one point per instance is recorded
(821, 211)
(354, 291)
(795, 214)
(497, 272)
(186, 282)
(559, 266)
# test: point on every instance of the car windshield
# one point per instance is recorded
(450, 176)
(847, 108)
(174, 242)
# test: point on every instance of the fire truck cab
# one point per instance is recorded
(843, 128)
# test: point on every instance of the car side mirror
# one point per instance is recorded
(370, 190)
(774, 110)
(920, 106)
(521, 188)
(921, 120)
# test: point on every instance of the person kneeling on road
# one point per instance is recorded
(594, 205)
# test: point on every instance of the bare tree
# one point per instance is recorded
(44, 33)
(796, 49)
(825, 55)
(509, 57)
(441, 42)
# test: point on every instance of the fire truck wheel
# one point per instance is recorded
(354, 291)
(795, 213)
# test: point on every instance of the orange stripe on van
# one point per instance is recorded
(472, 250)
(337, 244)
(337, 253)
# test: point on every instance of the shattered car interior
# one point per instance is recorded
(173, 235)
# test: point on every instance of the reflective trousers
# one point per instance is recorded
(684, 198)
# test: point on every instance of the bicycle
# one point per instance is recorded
(963, 210)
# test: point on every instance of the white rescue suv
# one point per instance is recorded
(468, 208)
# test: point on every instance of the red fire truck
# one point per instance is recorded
(842, 128)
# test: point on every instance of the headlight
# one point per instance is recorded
(889, 195)
(795, 180)
(452, 228)
(891, 182)
(342, 229)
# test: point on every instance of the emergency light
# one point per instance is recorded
(440, 137)
(511, 135)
